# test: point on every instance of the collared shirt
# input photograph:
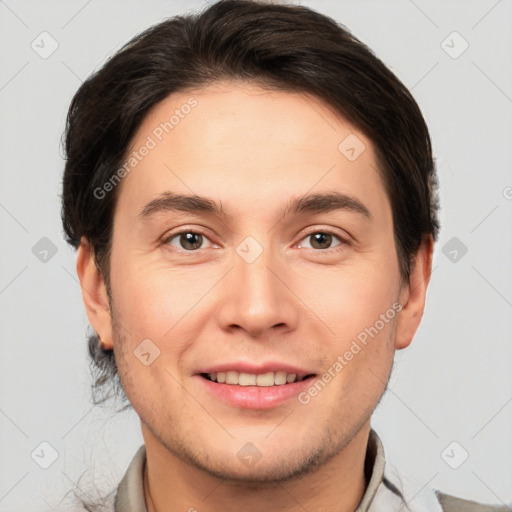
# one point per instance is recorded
(387, 491)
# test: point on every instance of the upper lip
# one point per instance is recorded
(256, 369)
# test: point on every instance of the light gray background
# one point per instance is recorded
(455, 381)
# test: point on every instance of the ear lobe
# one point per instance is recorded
(94, 293)
(414, 294)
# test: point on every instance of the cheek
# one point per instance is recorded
(353, 299)
(359, 306)
(158, 303)
(148, 307)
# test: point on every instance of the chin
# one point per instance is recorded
(260, 468)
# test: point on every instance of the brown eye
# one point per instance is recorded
(191, 241)
(321, 240)
(187, 240)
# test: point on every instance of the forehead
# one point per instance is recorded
(242, 143)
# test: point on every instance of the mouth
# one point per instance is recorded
(254, 387)
(268, 379)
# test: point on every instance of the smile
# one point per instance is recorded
(252, 386)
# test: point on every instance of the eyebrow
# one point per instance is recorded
(169, 201)
(309, 203)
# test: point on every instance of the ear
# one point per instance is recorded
(94, 293)
(412, 297)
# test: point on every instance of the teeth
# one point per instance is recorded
(231, 377)
(280, 378)
(246, 379)
(265, 379)
(251, 379)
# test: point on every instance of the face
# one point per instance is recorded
(255, 319)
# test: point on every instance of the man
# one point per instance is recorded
(252, 195)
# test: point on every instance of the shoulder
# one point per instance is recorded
(453, 504)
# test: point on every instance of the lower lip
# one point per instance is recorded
(255, 397)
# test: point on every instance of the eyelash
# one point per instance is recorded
(340, 246)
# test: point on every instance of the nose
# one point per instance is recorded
(257, 298)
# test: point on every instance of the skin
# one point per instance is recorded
(252, 150)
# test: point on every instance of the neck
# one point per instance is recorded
(171, 484)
